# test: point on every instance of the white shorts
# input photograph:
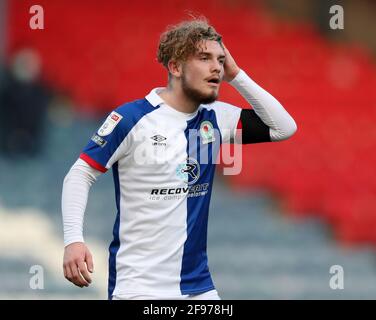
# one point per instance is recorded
(209, 295)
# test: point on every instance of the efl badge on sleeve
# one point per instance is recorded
(109, 125)
(207, 132)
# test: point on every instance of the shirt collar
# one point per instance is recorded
(154, 98)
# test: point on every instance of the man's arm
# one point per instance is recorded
(268, 121)
(77, 257)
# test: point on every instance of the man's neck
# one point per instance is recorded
(176, 99)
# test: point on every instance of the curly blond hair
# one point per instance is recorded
(180, 41)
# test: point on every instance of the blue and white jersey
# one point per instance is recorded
(163, 164)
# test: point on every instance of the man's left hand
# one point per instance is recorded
(231, 69)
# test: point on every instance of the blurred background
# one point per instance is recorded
(298, 207)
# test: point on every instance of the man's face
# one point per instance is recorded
(202, 73)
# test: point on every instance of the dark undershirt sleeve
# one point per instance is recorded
(253, 129)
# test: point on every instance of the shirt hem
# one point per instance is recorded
(164, 293)
(198, 291)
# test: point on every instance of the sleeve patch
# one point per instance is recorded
(110, 123)
(98, 140)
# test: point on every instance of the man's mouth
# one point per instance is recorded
(214, 81)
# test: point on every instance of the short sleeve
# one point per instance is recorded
(113, 140)
(104, 146)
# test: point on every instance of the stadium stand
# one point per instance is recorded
(109, 57)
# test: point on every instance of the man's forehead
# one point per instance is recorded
(210, 46)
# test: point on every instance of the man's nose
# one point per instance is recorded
(216, 66)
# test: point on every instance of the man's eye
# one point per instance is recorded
(222, 61)
(204, 58)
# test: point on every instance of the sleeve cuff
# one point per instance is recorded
(67, 242)
(96, 165)
(240, 77)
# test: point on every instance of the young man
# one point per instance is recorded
(162, 151)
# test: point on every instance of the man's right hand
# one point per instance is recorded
(78, 262)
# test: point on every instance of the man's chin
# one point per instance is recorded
(200, 96)
(206, 98)
(209, 99)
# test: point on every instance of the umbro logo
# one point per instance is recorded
(158, 140)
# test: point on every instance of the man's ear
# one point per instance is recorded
(175, 68)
